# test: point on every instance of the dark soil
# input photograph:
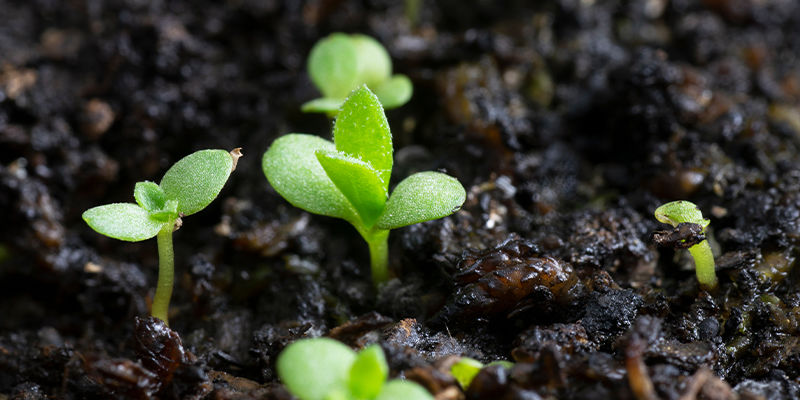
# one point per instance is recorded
(568, 121)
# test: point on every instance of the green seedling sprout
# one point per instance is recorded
(349, 178)
(189, 186)
(465, 369)
(324, 369)
(340, 63)
(682, 211)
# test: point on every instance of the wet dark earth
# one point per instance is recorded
(568, 121)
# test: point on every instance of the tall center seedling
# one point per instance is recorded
(189, 186)
(349, 178)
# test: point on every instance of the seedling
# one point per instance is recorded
(324, 369)
(681, 211)
(189, 186)
(341, 63)
(349, 178)
(466, 368)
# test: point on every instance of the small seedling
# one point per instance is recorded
(189, 186)
(341, 63)
(349, 178)
(466, 368)
(682, 212)
(324, 369)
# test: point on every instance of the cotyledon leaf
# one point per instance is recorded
(333, 65)
(422, 197)
(196, 180)
(291, 167)
(123, 221)
(395, 91)
(313, 368)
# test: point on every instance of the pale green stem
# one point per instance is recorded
(704, 264)
(379, 256)
(166, 274)
(378, 242)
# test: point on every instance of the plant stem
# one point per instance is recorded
(166, 273)
(704, 264)
(379, 255)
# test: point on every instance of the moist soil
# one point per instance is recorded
(567, 121)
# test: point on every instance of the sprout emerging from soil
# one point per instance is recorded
(189, 186)
(349, 178)
(682, 212)
(324, 369)
(341, 63)
(465, 369)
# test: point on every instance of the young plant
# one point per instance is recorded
(188, 187)
(324, 369)
(681, 211)
(341, 63)
(465, 369)
(349, 178)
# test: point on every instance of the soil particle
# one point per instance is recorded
(609, 314)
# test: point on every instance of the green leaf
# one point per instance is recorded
(292, 168)
(149, 196)
(422, 197)
(196, 180)
(680, 211)
(123, 221)
(361, 131)
(465, 370)
(323, 105)
(358, 181)
(170, 211)
(368, 373)
(397, 389)
(394, 92)
(374, 63)
(312, 368)
(333, 65)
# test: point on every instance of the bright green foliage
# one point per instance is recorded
(324, 369)
(188, 186)
(123, 221)
(422, 197)
(340, 63)
(682, 211)
(466, 368)
(368, 373)
(349, 178)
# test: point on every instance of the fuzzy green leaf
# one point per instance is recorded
(168, 212)
(361, 131)
(422, 197)
(465, 370)
(123, 221)
(680, 211)
(333, 65)
(313, 368)
(358, 181)
(394, 92)
(323, 105)
(374, 63)
(368, 373)
(397, 389)
(292, 168)
(149, 195)
(196, 180)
